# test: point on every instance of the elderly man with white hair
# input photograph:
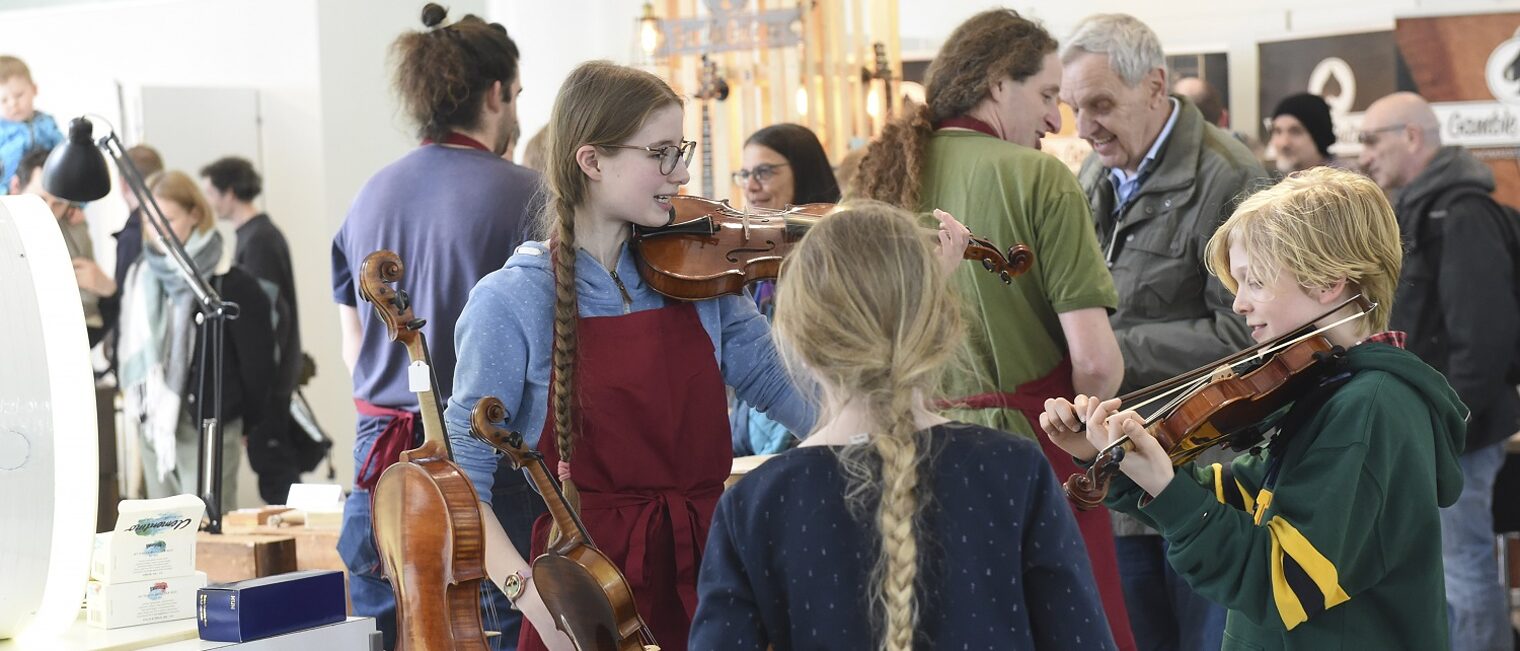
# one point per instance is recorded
(1457, 300)
(1159, 181)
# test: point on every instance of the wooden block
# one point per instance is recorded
(246, 520)
(316, 549)
(235, 557)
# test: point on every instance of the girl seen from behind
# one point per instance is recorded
(959, 532)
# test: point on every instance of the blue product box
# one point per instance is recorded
(242, 611)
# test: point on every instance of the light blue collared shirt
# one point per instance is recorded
(1125, 185)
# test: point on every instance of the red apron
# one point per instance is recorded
(1097, 530)
(651, 454)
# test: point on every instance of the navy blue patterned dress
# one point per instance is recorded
(1002, 565)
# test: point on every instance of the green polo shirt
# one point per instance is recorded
(1010, 194)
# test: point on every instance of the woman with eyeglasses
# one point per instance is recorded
(620, 389)
(784, 165)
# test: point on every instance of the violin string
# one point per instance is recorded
(1184, 388)
(1273, 349)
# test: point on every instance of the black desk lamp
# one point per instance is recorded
(76, 171)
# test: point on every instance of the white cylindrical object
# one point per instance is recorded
(49, 465)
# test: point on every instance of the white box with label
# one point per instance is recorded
(153, 539)
(114, 605)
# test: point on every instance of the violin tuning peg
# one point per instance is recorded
(402, 301)
(416, 324)
(1007, 278)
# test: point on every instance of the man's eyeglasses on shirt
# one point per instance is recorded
(670, 155)
(762, 173)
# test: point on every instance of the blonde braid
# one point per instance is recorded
(896, 571)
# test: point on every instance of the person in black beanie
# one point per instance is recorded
(1302, 133)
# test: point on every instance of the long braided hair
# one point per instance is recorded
(882, 328)
(600, 103)
(981, 51)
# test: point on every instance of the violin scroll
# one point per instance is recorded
(379, 271)
(489, 410)
(1017, 261)
(1086, 490)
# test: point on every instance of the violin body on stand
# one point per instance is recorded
(426, 512)
(710, 248)
(585, 592)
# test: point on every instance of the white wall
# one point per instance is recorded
(1200, 25)
(554, 37)
(78, 54)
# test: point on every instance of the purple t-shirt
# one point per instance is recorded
(453, 215)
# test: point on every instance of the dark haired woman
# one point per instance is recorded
(784, 165)
(971, 151)
(453, 210)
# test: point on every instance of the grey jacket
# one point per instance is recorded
(1456, 297)
(1173, 315)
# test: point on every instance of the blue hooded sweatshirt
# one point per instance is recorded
(17, 138)
(505, 335)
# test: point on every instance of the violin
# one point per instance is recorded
(588, 596)
(711, 248)
(426, 512)
(1221, 400)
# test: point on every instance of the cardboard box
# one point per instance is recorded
(236, 557)
(115, 605)
(259, 608)
(153, 539)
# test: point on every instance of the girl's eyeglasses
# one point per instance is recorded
(670, 155)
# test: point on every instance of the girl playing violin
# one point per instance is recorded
(626, 387)
(1327, 539)
(890, 527)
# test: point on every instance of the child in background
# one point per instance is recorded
(22, 127)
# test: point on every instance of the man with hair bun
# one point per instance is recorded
(453, 210)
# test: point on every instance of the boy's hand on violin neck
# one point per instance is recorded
(1145, 462)
(1063, 421)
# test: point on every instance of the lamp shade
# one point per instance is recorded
(76, 170)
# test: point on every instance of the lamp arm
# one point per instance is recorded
(211, 302)
(214, 314)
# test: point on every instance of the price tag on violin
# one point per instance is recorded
(419, 377)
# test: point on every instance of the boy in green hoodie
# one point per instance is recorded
(1326, 536)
